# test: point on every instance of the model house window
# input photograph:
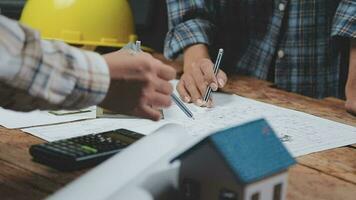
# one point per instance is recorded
(277, 192)
(255, 196)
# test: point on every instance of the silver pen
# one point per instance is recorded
(182, 106)
(216, 69)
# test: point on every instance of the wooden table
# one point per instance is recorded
(325, 175)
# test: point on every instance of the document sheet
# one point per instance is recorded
(13, 119)
(92, 126)
(300, 132)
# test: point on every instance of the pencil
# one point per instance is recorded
(216, 69)
(181, 105)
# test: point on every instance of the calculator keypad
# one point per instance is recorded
(89, 144)
(84, 151)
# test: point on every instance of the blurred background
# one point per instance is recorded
(150, 19)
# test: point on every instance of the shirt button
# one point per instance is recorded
(281, 7)
(280, 54)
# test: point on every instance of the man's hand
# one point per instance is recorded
(198, 75)
(350, 88)
(139, 84)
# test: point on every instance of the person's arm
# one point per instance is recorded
(350, 88)
(344, 26)
(139, 84)
(37, 74)
(191, 28)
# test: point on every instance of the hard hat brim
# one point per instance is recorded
(95, 44)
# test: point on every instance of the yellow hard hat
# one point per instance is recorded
(82, 22)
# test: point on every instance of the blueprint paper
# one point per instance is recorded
(301, 133)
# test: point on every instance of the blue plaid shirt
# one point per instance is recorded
(300, 45)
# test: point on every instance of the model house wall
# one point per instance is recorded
(204, 173)
(271, 188)
(246, 162)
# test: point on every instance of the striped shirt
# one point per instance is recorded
(38, 74)
(299, 45)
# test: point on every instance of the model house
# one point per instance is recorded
(246, 162)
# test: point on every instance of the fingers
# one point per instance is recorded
(191, 87)
(221, 78)
(209, 104)
(165, 72)
(148, 112)
(150, 104)
(196, 79)
(183, 93)
(207, 68)
(144, 84)
(158, 100)
(163, 86)
(199, 80)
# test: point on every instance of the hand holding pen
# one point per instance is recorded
(199, 76)
(216, 69)
(138, 84)
(177, 101)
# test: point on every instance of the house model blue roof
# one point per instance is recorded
(252, 151)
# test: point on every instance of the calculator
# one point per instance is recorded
(84, 151)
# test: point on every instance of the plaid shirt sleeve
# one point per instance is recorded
(37, 74)
(190, 22)
(344, 24)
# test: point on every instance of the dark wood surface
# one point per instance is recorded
(325, 175)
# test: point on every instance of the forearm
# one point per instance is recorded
(47, 75)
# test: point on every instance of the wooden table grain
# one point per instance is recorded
(325, 175)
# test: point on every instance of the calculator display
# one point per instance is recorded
(123, 136)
